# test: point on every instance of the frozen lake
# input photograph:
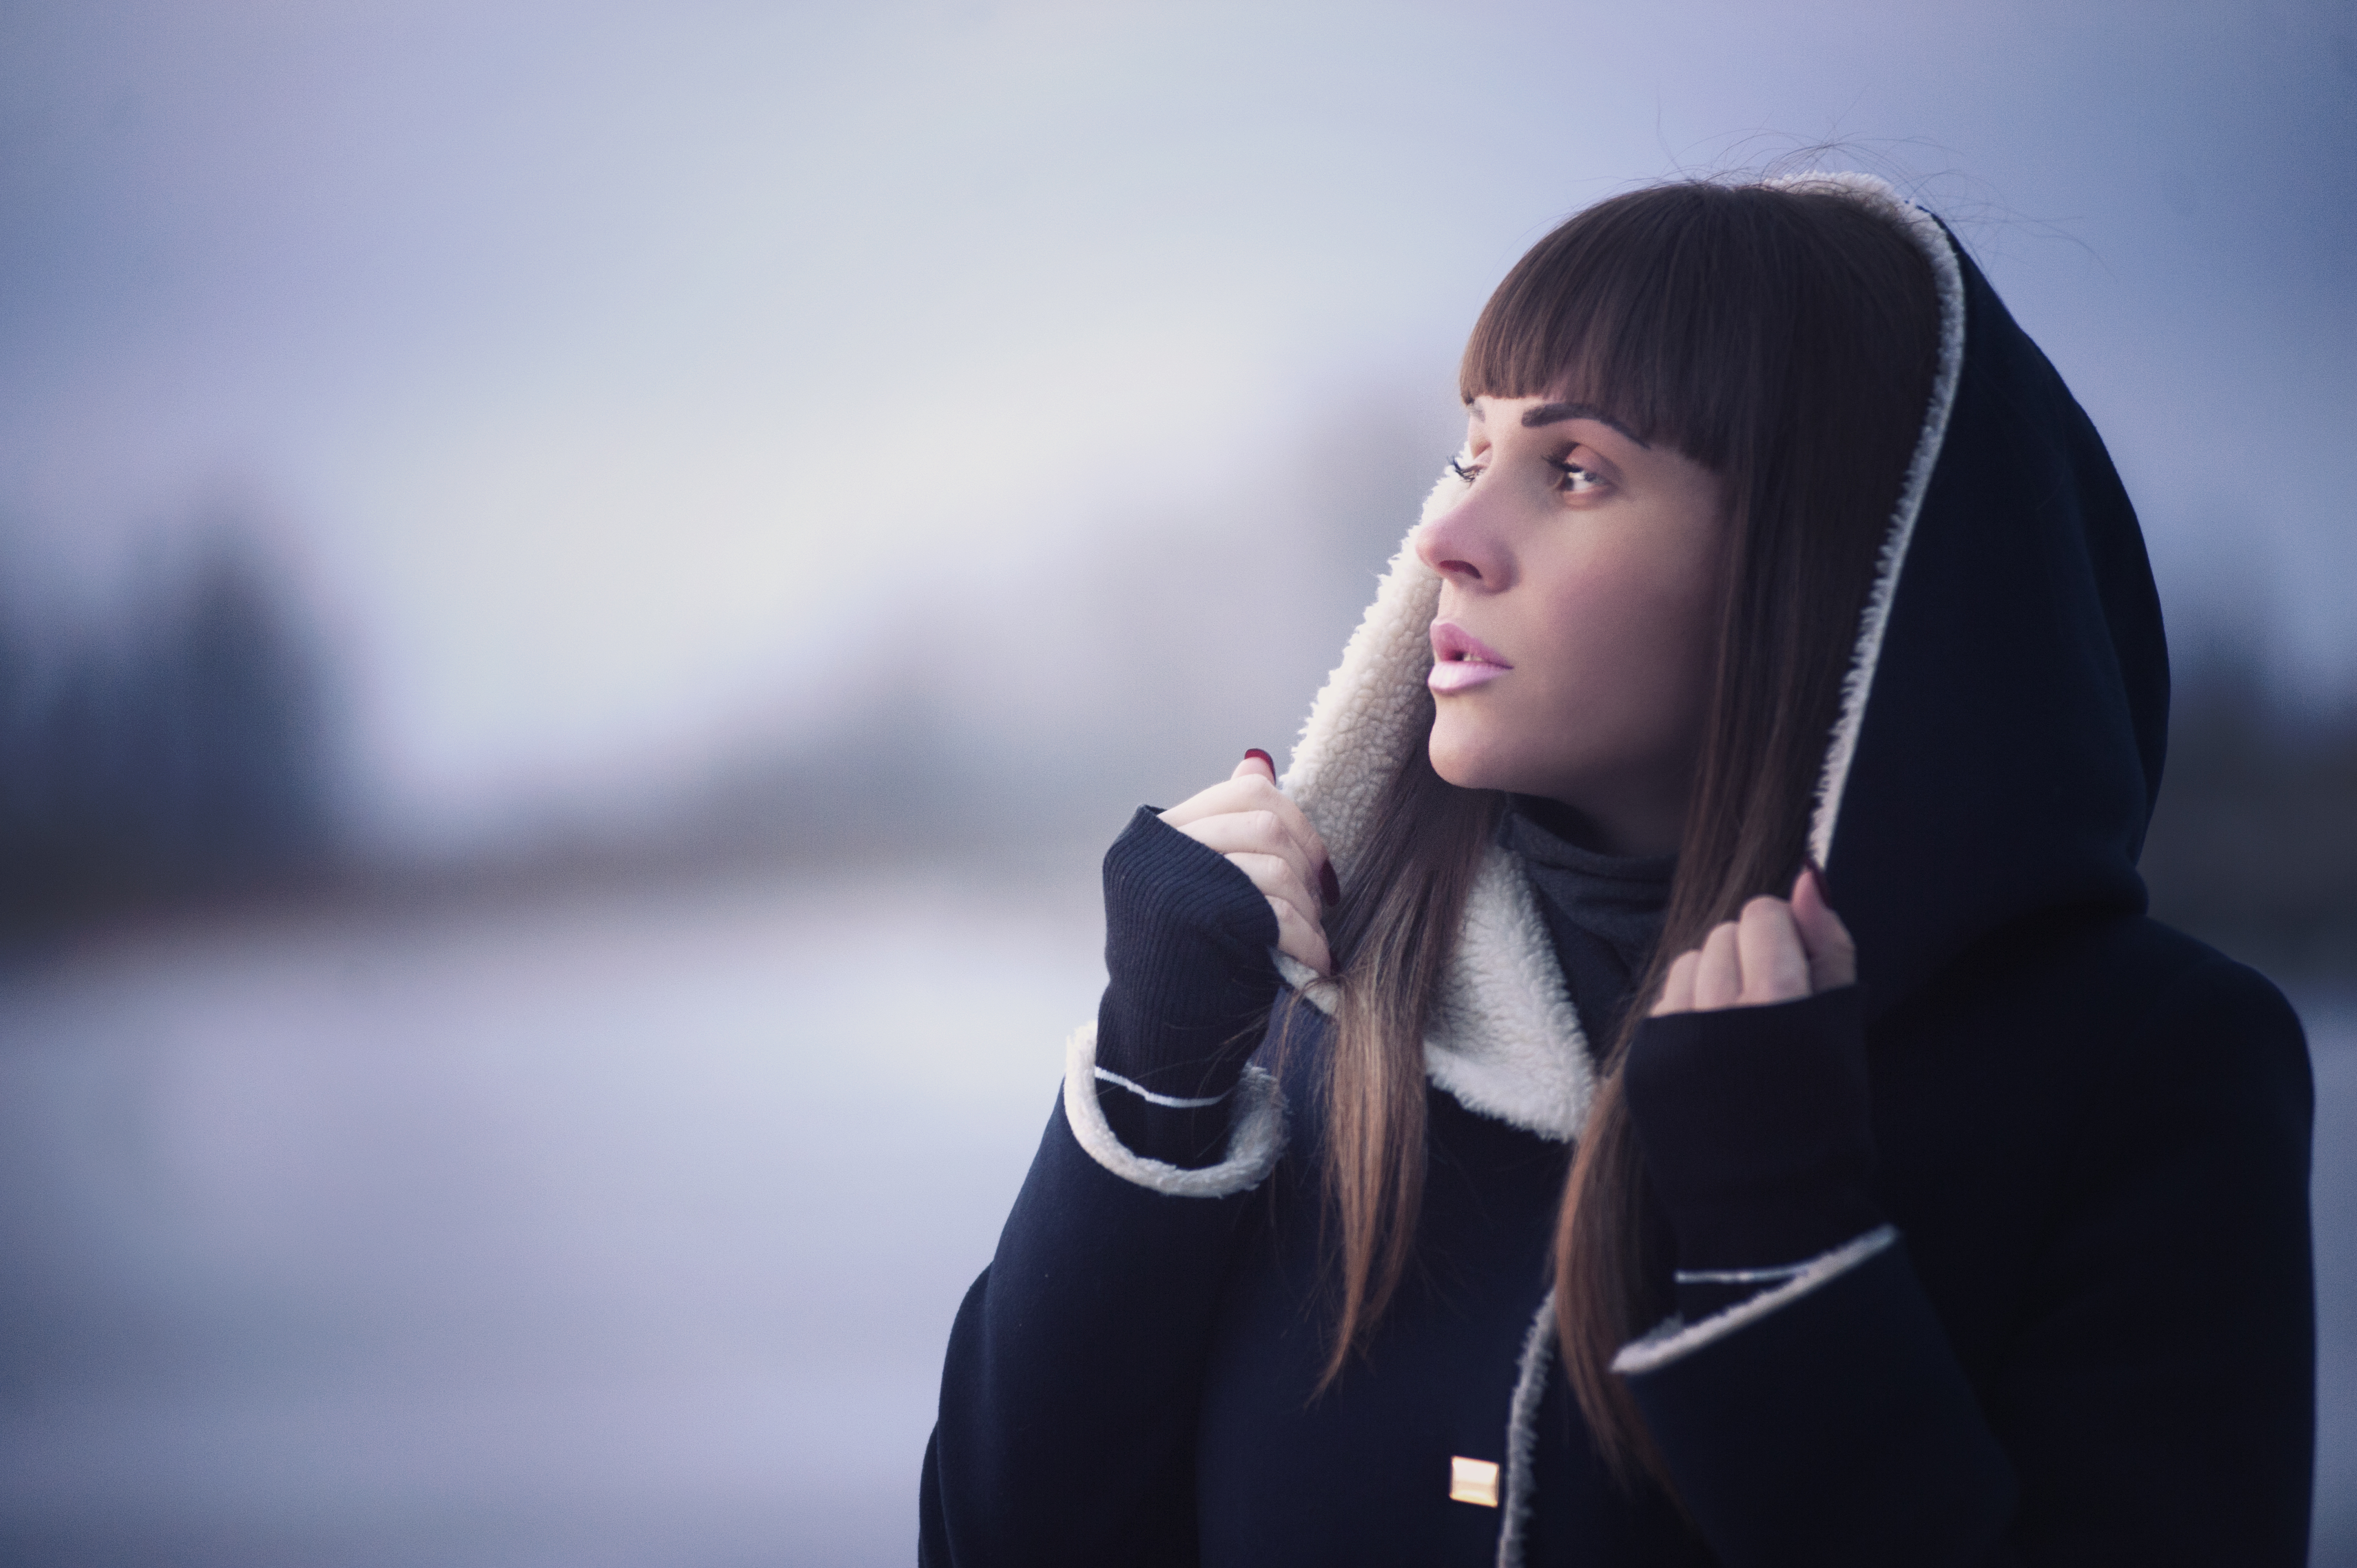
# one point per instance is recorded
(620, 1232)
(611, 1230)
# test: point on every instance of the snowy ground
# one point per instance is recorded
(612, 1232)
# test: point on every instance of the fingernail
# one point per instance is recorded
(1264, 756)
(1824, 888)
(1329, 886)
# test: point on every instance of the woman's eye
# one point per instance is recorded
(1578, 480)
(1464, 473)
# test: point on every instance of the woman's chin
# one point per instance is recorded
(1461, 761)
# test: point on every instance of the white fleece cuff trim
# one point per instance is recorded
(1676, 1338)
(1255, 1139)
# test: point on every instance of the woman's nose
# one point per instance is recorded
(1458, 546)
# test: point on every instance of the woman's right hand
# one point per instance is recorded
(1264, 835)
(1778, 951)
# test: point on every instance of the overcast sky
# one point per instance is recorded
(621, 380)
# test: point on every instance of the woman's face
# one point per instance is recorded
(1573, 648)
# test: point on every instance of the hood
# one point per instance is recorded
(2000, 738)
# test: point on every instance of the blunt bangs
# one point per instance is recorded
(1674, 307)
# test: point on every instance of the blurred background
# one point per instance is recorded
(581, 586)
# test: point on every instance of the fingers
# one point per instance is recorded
(1718, 976)
(1776, 951)
(1300, 937)
(1743, 963)
(1261, 835)
(1833, 956)
(1251, 784)
(1250, 789)
(1264, 835)
(1775, 968)
(1678, 985)
(1281, 882)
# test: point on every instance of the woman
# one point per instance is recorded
(1774, 546)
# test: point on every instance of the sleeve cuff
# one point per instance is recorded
(1676, 1338)
(1255, 1139)
(1756, 1124)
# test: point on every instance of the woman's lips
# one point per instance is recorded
(1461, 661)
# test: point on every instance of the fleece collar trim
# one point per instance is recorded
(1505, 1040)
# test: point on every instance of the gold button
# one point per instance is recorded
(1472, 1481)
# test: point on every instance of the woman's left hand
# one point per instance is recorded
(1777, 951)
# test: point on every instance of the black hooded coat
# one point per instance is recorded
(2042, 1176)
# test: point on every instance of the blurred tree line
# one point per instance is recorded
(179, 748)
(174, 749)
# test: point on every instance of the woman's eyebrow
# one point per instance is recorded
(1556, 413)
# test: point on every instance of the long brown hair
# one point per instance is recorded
(1787, 339)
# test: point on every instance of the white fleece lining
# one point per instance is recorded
(1505, 1040)
(1256, 1138)
(1675, 1339)
(1948, 277)
(1523, 1432)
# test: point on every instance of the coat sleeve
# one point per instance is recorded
(1068, 1397)
(2157, 1405)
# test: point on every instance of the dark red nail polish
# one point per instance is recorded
(1824, 886)
(1329, 886)
(1264, 756)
